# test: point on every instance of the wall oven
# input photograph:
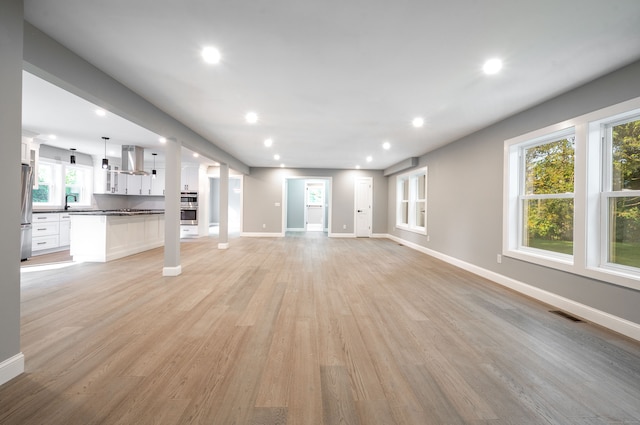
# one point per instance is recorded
(189, 208)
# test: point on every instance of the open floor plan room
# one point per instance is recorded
(307, 329)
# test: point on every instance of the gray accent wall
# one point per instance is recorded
(464, 196)
(263, 189)
(11, 21)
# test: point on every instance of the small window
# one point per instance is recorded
(412, 201)
(78, 184)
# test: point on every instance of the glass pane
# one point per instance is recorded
(549, 225)
(41, 194)
(421, 186)
(420, 214)
(405, 190)
(404, 213)
(626, 156)
(624, 231)
(549, 167)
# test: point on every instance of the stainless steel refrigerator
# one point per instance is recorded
(26, 203)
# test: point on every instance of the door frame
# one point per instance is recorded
(324, 202)
(355, 206)
(327, 190)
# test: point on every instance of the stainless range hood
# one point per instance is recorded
(133, 160)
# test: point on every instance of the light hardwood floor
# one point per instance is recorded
(307, 330)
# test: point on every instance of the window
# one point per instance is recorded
(56, 180)
(546, 200)
(411, 211)
(572, 195)
(47, 191)
(78, 184)
(621, 193)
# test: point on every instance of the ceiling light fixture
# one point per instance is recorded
(417, 122)
(53, 137)
(196, 154)
(276, 157)
(101, 112)
(281, 165)
(162, 140)
(154, 173)
(211, 55)
(386, 146)
(492, 66)
(357, 167)
(251, 117)
(72, 158)
(369, 158)
(268, 142)
(105, 161)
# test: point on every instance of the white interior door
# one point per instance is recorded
(364, 213)
(314, 206)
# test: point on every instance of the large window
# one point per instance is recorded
(621, 193)
(547, 194)
(572, 195)
(411, 211)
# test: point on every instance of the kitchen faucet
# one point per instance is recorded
(66, 198)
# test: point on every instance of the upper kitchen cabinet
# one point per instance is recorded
(157, 184)
(189, 178)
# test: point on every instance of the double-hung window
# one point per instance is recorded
(411, 213)
(621, 193)
(572, 195)
(48, 177)
(546, 198)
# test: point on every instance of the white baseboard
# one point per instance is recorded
(296, 229)
(172, 271)
(602, 318)
(261, 235)
(11, 368)
(223, 245)
(342, 235)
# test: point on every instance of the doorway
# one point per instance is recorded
(307, 203)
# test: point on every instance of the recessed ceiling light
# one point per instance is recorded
(268, 142)
(417, 122)
(53, 137)
(369, 158)
(211, 55)
(195, 154)
(101, 112)
(251, 117)
(276, 157)
(162, 140)
(281, 165)
(492, 66)
(386, 146)
(357, 167)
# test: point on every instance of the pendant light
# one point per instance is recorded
(72, 158)
(154, 173)
(105, 161)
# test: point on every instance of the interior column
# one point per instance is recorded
(173, 164)
(223, 238)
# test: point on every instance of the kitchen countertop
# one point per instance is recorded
(118, 212)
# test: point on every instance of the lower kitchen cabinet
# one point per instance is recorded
(50, 232)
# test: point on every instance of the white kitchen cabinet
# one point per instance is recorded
(189, 178)
(65, 230)
(50, 232)
(188, 231)
(157, 184)
(134, 184)
(145, 185)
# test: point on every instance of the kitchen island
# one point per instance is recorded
(101, 236)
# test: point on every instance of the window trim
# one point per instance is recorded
(590, 244)
(411, 178)
(58, 185)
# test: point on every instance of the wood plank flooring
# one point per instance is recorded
(307, 330)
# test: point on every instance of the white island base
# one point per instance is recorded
(102, 238)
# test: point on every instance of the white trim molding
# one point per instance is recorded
(342, 235)
(599, 317)
(11, 368)
(172, 271)
(262, 235)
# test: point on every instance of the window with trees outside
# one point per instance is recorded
(572, 195)
(411, 211)
(56, 180)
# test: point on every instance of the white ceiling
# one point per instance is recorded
(332, 80)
